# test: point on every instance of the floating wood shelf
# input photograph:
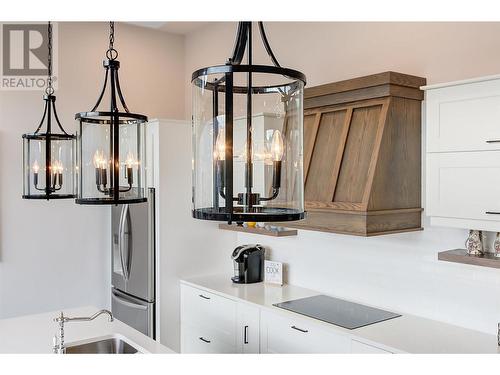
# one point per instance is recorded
(263, 231)
(461, 256)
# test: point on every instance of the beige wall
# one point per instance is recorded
(332, 51)
(56, 254)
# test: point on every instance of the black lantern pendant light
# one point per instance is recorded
(48, 157)
(248, 138)
(111, 144)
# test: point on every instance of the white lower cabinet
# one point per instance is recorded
(211, 323)
(282, 333)
(214, 324)
(248, 329)
(208, 322)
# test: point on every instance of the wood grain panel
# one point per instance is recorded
(360, 143)
(321, 169)
(360, 223)
(461, 256)
(399, 160)
(393, 78)
(311, 124)
(363, 94)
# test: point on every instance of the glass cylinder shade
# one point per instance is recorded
(111, 158)
(248, 144)
(48, 165)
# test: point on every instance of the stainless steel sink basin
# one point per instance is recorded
(112, 345)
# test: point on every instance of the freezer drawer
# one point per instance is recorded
(133, 312)
(133, 249)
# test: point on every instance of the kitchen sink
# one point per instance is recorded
(113, 345)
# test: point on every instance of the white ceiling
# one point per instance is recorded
(181, 28)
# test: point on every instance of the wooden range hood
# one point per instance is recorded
(362, 155)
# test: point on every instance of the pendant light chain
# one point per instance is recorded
(111, 53)
(49, 90)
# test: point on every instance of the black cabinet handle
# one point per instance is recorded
(204, 297)
(493, 141)
(204, 340)
(299, 329)
(245, 335)
(492, 212)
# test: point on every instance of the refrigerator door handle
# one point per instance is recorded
(124, 230)
(127, 303)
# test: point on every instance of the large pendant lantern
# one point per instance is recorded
(248, 138)
(48, 157)
(111, 144)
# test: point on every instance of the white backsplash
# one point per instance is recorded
(398, 272)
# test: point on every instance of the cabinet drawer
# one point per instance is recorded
(199, 339)
(464, 185)
(201, 308)
(464, 117)
(288, 334)
(362, 348)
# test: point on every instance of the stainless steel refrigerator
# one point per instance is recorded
(133, 264)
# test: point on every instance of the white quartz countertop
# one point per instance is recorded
(34, 333)
(406, 334)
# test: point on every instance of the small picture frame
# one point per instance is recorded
(273, 272)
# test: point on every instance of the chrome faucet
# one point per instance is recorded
(58, 341)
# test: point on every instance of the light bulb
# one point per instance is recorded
(130, 161)
(277, 147)
(57, 166)
(220, 147)
(36, 167)
(97, 159)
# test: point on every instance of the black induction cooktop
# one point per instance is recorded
(337, 311)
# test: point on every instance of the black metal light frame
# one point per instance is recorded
(113, 118)
(224, 172)
(49, 191)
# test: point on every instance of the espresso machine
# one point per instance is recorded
(248, 261)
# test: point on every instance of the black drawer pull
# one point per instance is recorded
(204, 340)
(299, 329)
(493, 141)
(204, 297)
(492, 212)
(245, 335)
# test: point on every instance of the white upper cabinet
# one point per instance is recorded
(463, 154)
(463, 116)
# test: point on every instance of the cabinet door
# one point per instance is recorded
(290, 334)
(464, 117)
(248, 326)
(464, 185)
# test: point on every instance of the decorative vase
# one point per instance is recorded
(496, 245)
(474, 243)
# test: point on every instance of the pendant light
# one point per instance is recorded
(111, 144)
(48, 157)
(248, 138)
